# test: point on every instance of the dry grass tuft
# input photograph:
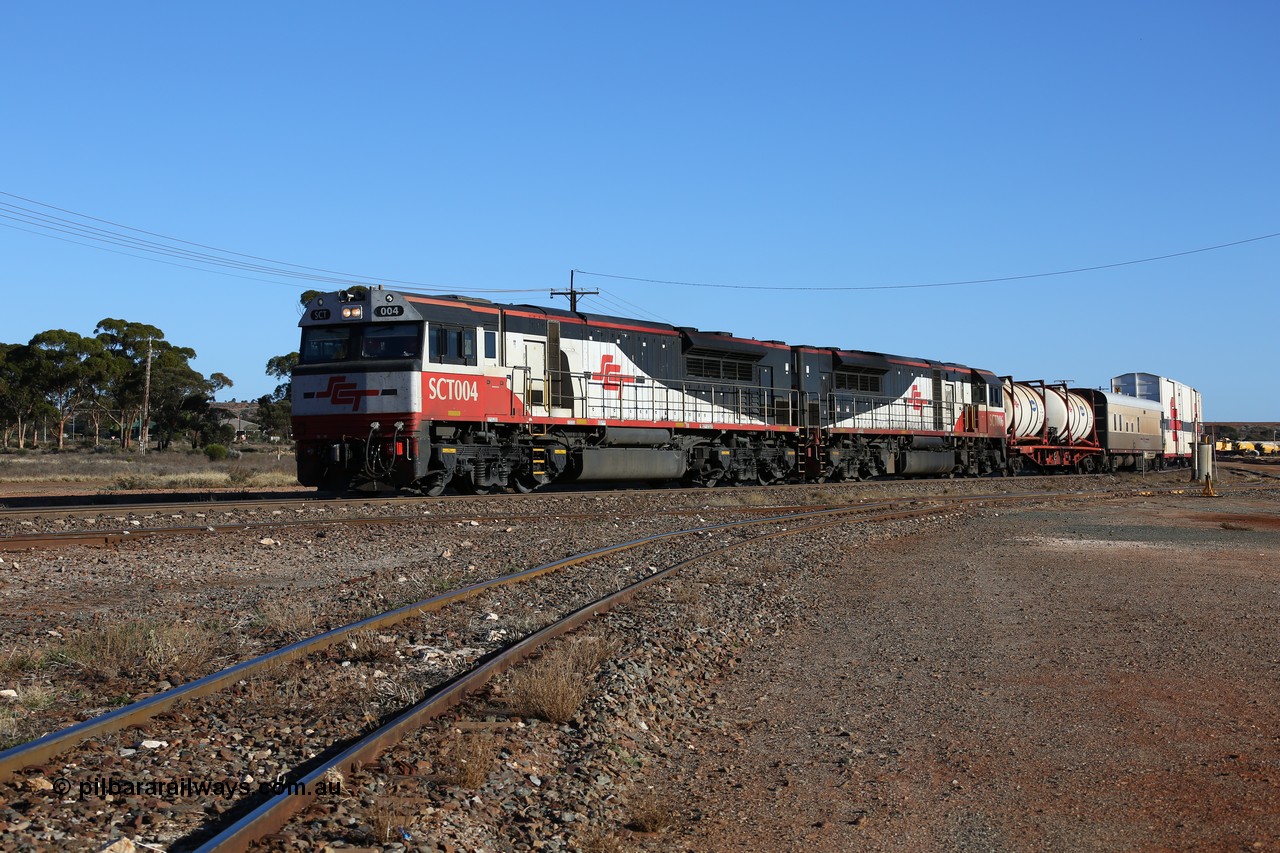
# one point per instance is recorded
(365, 647)
(277, 690)
(1231, 525)
(20, 661)
(36, 697)
(289, 618)
(554, 687)
(684, 593)
(603, 842)
(12, 730)
(471, 759)
(141, 647)
(385, 821)
(651, 812)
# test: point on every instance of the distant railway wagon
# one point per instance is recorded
(1179, 411)
(427, 392)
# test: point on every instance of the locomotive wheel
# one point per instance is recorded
(524, 483)
(467, 486)
(707, 479)
(433, 485)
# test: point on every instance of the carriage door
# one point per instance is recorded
(535, 381)
(761, 408)
(939, 387)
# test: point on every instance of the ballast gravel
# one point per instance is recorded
(1085, 675)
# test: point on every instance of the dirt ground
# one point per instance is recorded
(1099, 676)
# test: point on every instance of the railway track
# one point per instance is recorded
(121, 523)
(100, 730)
(142, 504)
(98, 538)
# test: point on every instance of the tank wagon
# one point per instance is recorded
(424, 392)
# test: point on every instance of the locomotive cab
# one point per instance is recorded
(355, 390)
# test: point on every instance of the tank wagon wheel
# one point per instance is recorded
(1086, 465)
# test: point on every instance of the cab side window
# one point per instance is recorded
(452, 345)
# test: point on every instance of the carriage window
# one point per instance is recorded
(321, 343)
(469, 345)
(490, 344)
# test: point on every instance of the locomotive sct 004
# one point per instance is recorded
(424, 392)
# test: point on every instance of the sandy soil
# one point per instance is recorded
(1090, 677)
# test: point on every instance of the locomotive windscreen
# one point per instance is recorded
(395, 341)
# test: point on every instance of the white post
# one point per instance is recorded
(144, 432)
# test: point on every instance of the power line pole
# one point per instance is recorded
(573, 293)
(144, 432)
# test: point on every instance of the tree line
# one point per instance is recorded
(106, 378)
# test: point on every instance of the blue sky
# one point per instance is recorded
(481, 146)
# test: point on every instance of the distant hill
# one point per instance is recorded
(1244, 430)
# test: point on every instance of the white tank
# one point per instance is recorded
(1079, 416)
(1055, 412)
(1026, 412)
(1069, 414)
(1023, 410)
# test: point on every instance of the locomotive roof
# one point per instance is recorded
(864, 358)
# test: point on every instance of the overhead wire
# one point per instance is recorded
(50, 226)
(627, 309)
(937, 283)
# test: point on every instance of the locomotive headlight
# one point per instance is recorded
(353, 312)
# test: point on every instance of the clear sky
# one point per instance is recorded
(478, 146)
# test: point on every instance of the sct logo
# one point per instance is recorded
(340, 392)
(916, 400)
(611, 375)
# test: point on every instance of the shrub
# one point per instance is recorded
(215, 452)
(553, 687)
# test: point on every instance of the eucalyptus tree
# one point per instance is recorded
(21, 400)
(128, 346)
(68, 369)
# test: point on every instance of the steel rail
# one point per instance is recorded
(41, 749)
(112, 536)
(272, 814)
(18, 507)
